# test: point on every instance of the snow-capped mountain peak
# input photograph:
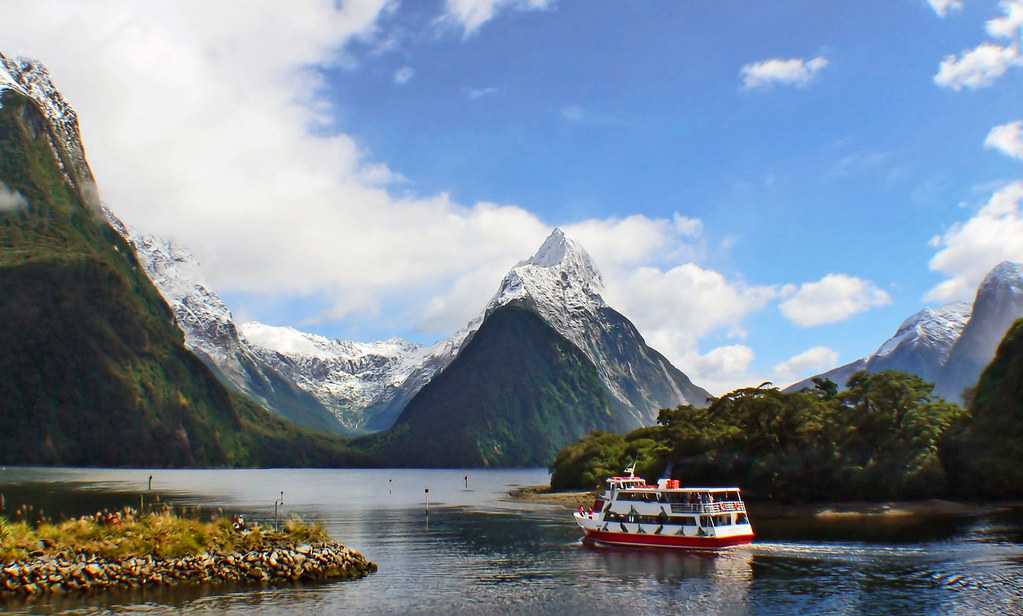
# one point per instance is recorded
(561, 275)
(562, 285)
(1006, 274)
(561, 251)
(936, 328)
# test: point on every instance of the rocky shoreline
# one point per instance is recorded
(84, 573)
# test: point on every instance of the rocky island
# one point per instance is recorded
(126, 550)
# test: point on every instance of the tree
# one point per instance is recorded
(825, 387)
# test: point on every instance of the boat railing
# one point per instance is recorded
(720, 507)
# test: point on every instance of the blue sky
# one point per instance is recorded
(584, 114)
(854, 172)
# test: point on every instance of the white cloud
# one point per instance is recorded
(945, 7)
(1008, 26)
(1007, 139)
(624, 242)
(690, 227)
(833, 298)
(779, 71)
(978, 67)
(675, 307)
(618, 245)
(403, 75)
(723, 369)
(470, 15)
(968, 250)
(198, 119)
(11, 200)
(478, 93)
(809, 362)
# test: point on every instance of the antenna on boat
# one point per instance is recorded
(630, 470)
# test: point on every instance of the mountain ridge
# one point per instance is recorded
(96, 371)
(949, 345)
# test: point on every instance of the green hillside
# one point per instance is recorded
(515, 394)
(987, 447)
(95, 371)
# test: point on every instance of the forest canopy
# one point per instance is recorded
(879, 438)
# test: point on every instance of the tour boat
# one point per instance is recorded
(631, 513)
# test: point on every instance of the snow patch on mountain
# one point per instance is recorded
(290, 341)
(997, 305)
(202, 315)
(1006, 277)
(355, 381)
(365, 384)
(31, 79)
(934, 328)
(560, 279)
(346, 377)
(562, 284)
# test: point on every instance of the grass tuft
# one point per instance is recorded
(162, 534)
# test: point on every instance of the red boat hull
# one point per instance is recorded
(666, 541)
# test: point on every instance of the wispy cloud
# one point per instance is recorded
(403, 75)
(809, 362)
(796, 72)
(984, 64)
(945, 7)
(478, 93)
(470, 15)
(1007, 139)
(1007, 26)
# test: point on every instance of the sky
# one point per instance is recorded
(769, 189)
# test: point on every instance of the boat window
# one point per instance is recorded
(639, 497)
(722, 520)
(686, 520)
(741, 519)
(706, 521)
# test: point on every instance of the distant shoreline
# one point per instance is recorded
(880, 510)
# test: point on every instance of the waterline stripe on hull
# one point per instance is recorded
(667, 541)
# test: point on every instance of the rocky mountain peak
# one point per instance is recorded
(30, 78)
(1006, 275)
(561, 276)
(935, 328)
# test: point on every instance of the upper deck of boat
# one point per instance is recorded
(636, 484)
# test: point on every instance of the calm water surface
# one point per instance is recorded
(479, 553)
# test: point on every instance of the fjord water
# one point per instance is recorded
(478, 552)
